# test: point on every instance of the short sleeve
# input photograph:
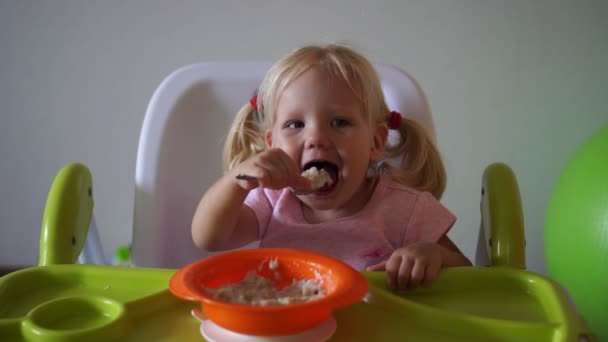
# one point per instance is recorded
(260, 204)
(430, 220)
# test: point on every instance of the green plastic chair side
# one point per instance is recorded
(67, 216)
(502, 217)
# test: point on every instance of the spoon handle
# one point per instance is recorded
(254, 179)
(246, 177)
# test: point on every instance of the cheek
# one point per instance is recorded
(289, 147)
(276, 139)
(357, 155)
(279, 142)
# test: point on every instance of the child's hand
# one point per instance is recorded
(411, 266)
(273, 169)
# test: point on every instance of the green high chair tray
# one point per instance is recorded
(63, 301)
(111, 303)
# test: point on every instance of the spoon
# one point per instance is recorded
(296, 191)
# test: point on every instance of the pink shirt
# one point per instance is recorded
(394, 217)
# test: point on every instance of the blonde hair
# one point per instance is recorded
(419, 164)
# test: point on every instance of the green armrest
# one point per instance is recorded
(67, 216)
(502, 217)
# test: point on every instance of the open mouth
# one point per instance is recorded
(330, 168)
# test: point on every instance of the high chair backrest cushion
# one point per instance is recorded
(180, 148)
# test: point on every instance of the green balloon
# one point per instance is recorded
(576, 231)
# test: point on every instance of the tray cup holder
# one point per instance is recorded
(78, 318)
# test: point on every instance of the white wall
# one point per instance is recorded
(516, 81)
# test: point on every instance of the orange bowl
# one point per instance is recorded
(342, 285)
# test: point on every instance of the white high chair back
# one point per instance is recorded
(181, 143)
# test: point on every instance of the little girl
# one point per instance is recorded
(323, 107)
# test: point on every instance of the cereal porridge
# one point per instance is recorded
(318, 178)
(260, 291)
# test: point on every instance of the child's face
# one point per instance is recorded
(319, 122)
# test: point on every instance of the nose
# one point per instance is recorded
(317, 137)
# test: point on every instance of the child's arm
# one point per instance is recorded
(419, 263)
(222, 220)
(450, 254)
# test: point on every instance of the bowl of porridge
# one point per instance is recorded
(269, 291)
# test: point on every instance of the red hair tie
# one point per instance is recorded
(254, 102)
(394, 120)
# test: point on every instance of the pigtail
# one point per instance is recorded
(245, 138)
(419, 163)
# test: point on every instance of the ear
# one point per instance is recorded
(379, 141)
(268, 138)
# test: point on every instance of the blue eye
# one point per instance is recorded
(340, 123)
(295, 124)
